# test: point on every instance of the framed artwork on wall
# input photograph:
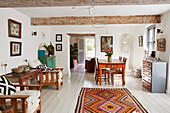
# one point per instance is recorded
(15, 48)
(106, 43)
(34, 33)
(58, 37)
(161, 44)
(58, 47)
(14, 28)
(140, 41)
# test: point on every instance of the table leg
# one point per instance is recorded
(100, 76)
(123, 75)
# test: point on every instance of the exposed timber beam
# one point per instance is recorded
(96, 20)
(53, 3)
(74, 34)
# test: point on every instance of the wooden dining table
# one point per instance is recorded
(114, 64)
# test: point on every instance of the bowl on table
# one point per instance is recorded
(18, 70)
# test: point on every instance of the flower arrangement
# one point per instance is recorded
(109, 53)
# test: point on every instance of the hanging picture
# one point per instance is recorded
(58, 47)
(140, 41)
(58, 37)
(34, 33)
(106, 43)
(14, 28)
(15, 48)
(161, 44)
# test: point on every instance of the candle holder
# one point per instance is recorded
(5, 65)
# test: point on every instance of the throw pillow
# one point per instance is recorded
(34, 63)
(6, 87)
(43, 67)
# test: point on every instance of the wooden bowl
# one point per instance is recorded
(18, 70)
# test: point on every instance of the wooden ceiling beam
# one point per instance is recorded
(78, 35)
(53, 3)
(96, 20)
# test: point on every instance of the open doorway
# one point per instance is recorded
(81, 48)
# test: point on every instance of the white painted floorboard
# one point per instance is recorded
(64, 100)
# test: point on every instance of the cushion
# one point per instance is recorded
(43, 67)
(30, 108)
(6, 87)
(33, 94)
(34, 63)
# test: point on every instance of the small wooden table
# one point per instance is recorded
(115, 64)
(23, 77)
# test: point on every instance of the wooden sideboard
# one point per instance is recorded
(154, 76)
(23, 77)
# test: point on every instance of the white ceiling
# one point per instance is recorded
(118, 10)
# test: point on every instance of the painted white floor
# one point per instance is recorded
(64, 100)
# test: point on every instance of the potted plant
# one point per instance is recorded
(109, 53)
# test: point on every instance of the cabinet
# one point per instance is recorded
(154, 76)
(49, 61)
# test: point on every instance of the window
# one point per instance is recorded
(151, 39)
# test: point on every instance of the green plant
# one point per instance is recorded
(109, 53)
(73, 50)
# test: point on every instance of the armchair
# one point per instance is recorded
(90, 65)
(25, 101)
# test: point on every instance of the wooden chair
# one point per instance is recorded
(54, 77)
(22, 101)
(120, 57)
(113, 72)
(105, 72)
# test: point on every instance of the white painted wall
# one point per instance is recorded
(165, 56)
(29, 44)
(116, 31)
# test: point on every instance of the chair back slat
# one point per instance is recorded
(46, 78)
(14, 102)
(42, 78)
(124, 59)
(52, 77)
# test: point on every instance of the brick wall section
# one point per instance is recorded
(51, 3)
(96, 20)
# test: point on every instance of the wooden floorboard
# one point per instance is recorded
(64, 100)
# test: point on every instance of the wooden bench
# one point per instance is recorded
(54, 77)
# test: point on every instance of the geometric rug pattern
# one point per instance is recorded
(102, 100)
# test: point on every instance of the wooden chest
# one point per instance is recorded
(154, 76)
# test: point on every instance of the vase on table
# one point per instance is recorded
(109, 58)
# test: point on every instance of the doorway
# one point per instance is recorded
(82, 47)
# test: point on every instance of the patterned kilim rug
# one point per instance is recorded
(100, 100)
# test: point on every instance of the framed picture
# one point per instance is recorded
(161, 44)
(58, 47)
(15, 48)
(34, 33)
(58, 37)
(14, 28)
(106, 43)
(140, 41)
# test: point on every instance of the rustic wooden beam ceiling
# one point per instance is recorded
(145, 19)
(78, 35)
(52, 3)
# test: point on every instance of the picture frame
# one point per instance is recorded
(58, 37)
(106, 43)
(161, 44)
(34, 34)
(140, 41)
(58, 47)
(15, 48)
(14, 28)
